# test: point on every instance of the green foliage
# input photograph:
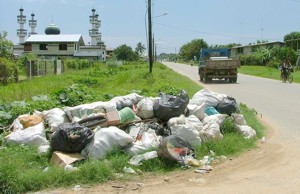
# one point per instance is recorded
(78, 63)
(271, 57)
(191, 49)
(168, 57)
(292, 40)
(75, 94)
(231, 144)
(252, 59)
(8, 71)
(6, 46)
(126, 53)
(224, 46)
(11, 110)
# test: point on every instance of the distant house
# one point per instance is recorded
(248, 49)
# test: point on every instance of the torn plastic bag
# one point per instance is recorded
(105, 141)
(169, 106)
(227, 106)
(175, 147)
(71, 138)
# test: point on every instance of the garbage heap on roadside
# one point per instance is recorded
(172, 125)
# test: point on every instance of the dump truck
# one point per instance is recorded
(216, 63)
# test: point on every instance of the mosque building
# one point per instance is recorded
(56, 45)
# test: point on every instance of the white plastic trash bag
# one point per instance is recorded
(247, 131)
(145, 108)
(106, 140)
(148, 140)
(217, 118)
(55, 117)
(239, 119)
(210, 98)
(211, 131)
(195, 122)
(186, 129)
(34, 135)
(197, 110)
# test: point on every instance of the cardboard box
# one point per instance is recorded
(63, 159)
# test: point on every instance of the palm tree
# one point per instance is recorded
(140, 48)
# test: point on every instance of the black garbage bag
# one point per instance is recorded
(169, 106)
(175, 147)
(159, 129)
(71, 138)
(227, 106)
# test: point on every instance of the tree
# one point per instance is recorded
(230, 45)
(292, 40)
(6, 46)
(140, 48)
(125, 52)
(191, 49)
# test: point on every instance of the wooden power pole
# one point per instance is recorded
(150, 47)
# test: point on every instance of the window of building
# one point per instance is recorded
(27, 47)
(240, 50)
(63, 47)
(75, 47)
(43, 47)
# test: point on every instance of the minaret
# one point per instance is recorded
(21, 32)
(32, 24)
(94, 32)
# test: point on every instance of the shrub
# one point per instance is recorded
(8, 71)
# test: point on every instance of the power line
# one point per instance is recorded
(208, 33)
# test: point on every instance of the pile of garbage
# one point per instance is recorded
(172, 125)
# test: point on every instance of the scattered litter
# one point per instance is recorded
(118, 186)
(135, 160)
(129, 170)
(70, 168)
(76, 188)
(263, 139)
(46, 169)
(197, 180)
(201, 171)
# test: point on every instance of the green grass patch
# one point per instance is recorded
(266, 72)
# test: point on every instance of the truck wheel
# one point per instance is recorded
(234, 80)
(201, 78)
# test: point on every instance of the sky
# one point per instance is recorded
(175, 22)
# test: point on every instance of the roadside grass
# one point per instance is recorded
(116, 81)
(267, 72)
(21, 167)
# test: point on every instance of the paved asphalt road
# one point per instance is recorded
(277, 102)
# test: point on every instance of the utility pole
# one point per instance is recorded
(150, 47)
(153, 48)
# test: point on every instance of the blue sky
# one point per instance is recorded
(123, 21)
